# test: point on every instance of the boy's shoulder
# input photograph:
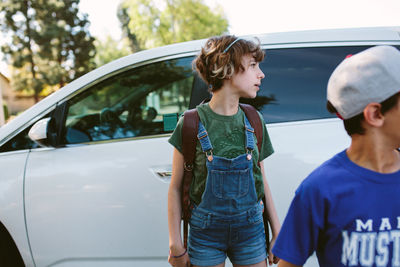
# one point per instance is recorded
(326, 176)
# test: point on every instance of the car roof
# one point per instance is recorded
(373, 35)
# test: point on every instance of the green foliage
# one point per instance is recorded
(110, 49)
(148, 25)
(47, 43)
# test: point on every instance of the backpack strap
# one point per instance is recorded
(255, 122)
(189, 140)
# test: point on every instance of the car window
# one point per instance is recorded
(19, 142)
(140, 102)
(294, 87)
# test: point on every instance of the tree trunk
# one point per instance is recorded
(29, 46)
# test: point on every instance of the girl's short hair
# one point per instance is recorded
(221, 57)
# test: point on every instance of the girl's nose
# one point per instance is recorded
(261, 74)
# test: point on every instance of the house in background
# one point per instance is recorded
(14, 101)
(4, 82)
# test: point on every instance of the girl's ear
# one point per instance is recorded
(373, 115)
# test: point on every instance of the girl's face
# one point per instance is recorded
(247, 83)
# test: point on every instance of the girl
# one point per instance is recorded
(227, 183)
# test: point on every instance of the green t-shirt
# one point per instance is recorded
(227, 136)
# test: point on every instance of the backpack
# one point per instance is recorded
(189, 140)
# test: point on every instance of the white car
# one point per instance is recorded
(94, 193)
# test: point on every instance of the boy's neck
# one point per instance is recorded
(374, 154)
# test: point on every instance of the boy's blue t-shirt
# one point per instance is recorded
(348, 214)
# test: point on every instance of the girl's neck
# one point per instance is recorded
(224, 103)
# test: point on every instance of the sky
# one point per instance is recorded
(262, 16)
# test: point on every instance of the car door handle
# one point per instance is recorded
(164, 174)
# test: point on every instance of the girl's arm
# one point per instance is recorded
(283, 263)
(175, 212)
(272, 216)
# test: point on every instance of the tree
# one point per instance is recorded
(124, 18)
(17, 18)
(147, 25)
(110, 49)
(64, 38)
(48, 43)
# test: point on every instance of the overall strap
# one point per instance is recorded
(204, 139)
(189, 140)
(249, 135)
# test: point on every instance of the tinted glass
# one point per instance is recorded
(19, 142)
(140, 102)
(294, 87)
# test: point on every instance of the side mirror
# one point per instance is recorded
(42, 133)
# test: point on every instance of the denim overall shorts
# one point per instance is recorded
(228, 221)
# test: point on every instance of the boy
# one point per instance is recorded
(348, 209)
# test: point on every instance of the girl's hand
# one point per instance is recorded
(272, 259)
(179, 260)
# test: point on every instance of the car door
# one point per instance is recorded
(12, 164)
(100, 198)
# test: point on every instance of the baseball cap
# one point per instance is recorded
(372, 75)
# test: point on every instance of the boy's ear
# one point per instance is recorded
(373, 115)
